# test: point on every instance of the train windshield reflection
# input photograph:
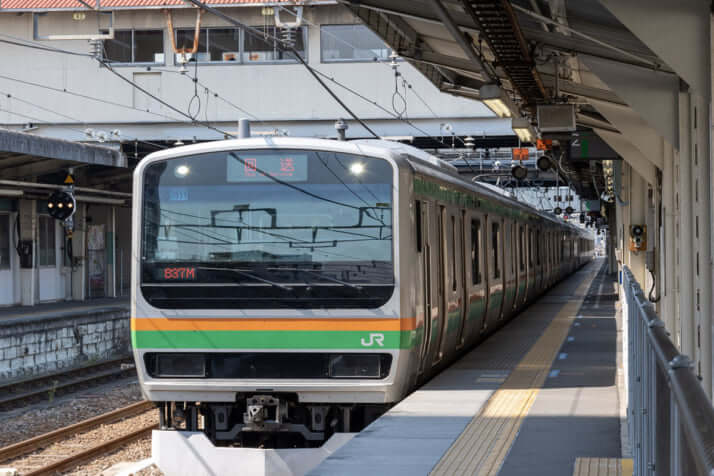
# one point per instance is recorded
(269, 217)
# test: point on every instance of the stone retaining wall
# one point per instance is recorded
(30, 346)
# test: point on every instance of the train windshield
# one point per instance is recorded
(244, 228)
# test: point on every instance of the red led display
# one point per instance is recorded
(179, 274)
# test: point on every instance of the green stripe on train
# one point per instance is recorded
(273, 339)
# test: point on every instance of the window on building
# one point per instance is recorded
(47, 241)
(214, 44)
(475, 243)
(135, 46)
(4, 241)
(351, 43)
(495, 230)
(258, 49)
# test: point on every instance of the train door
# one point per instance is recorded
(424, 314)
(522, 292)
(475, 277)
(463, 264)
(538, 256)
(452, 273)
(509, 269)
(439, 325)
(495, 264)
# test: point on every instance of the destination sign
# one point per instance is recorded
(267, 167)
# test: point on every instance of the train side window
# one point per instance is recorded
(495, 231)
(417, 210)
(537, 247)
(521, 250)
(475, 247)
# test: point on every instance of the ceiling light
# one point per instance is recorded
(496, 99)
(357, 168)
(523, 129)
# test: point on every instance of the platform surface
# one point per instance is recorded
(16, 314)
(539, 396)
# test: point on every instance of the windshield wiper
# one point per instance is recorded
(249, 275)
(318, 274)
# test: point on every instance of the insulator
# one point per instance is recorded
(95, 48)
(287, 34)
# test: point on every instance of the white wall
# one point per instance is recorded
(274, 92)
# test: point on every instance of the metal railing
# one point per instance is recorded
(670, 419)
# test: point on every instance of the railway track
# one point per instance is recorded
(61, 459)
(24, 392)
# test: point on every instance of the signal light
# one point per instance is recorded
(557, 210)
(569, 210)
(61, 205)
(543, 163)
(519, 172)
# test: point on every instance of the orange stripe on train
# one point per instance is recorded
(271, 324)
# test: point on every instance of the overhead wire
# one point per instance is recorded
(51, 111)
(109, 67)
(290, 49)
(84, 96)
(387, 64)
(253, 31)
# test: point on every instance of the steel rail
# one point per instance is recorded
(41, 441)
(50, 384)
(93, 452)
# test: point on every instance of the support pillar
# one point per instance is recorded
(666, 273)
(686, 232)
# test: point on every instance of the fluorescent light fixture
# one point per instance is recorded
(6, 192)
(523, 129)
(497, 100)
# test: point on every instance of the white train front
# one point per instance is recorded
(287, 289)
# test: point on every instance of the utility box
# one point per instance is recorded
(556, 118)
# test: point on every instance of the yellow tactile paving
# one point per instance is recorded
(486, 440)
(602, 467)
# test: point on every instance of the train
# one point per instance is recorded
(287, 289)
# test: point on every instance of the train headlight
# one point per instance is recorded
(176, 365)
(357, 168)
(355, 366)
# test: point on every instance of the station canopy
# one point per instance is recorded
(537, 53)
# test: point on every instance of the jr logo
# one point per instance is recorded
(373, 339)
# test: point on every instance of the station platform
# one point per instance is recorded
(538, 397)
(52, 310)
(48, 337)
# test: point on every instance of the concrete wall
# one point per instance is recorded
(34, 346)
(272, 92)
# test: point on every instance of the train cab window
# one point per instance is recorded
(475, 251)
(521, 250)
(495, 231)
(417, 211)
